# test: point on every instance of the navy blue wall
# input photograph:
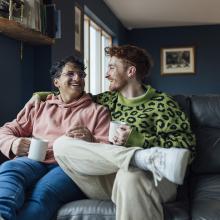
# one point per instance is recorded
(65, 46)
(99, 8)
(16, 77)
(207, 44)
(20, 78)
(11, 74)
(42, 64)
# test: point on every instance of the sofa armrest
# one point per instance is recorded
(205, 197)
(2, 158)
(176, 211)
(87, 209)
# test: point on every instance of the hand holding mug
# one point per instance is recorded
(20, 146)
(80, 132)
(38, 149)
(119, 132)
(122, 134)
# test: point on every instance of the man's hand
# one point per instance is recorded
(80, 132)
(34, 101)
(123, 132)
(20, 146)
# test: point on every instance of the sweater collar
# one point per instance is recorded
(137, 100)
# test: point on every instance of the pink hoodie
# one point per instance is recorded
(52, 119)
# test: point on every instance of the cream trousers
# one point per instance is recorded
(103, 171)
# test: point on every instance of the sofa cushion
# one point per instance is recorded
(206, 125)
(205, 197)
(184, 103)
(87, 209)
(90, 209)
(206, 111)
(177, 210)
(207, 151)
(2, 158)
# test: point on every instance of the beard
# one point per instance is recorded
(117, 86)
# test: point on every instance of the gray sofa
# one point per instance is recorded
(199, 197)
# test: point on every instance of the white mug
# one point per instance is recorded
(113, 129)
(38, 149)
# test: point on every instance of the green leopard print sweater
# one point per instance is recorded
(155, 118)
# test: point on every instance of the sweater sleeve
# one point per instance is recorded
(174, 131)
(22, 126)
(43, 95)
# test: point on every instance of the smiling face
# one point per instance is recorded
(70, 82)
(117, 74)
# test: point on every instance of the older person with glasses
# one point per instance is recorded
(153, 144)
(36, 190)
(79, 74)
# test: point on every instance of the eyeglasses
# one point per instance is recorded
(80, 74)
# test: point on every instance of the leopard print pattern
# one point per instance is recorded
(159, 119)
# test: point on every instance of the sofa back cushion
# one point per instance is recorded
(205, 112)
(184, 103)
(2, 158)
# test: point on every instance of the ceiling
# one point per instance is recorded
(165, 13)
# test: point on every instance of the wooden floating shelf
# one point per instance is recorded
(18, 31)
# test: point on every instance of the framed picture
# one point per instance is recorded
(178, 60)
(78, 28)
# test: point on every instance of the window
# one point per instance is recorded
(95, 40)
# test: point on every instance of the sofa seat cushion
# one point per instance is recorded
(177, 210)
(205, 197)
(87, 209)
(90, 209)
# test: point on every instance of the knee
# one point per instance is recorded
(132, 180)
(125, 179)
(11, 165)
(59, 145)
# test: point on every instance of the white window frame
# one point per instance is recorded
(96, 63)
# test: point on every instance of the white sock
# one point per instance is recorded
(139, 159)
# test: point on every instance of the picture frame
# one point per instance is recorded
(178, 60)
(78, 28)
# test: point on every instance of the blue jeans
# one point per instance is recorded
(34, 190)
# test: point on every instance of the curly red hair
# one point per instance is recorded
(132, 55)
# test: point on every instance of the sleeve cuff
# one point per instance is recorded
(42, 95)
(135, 139)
